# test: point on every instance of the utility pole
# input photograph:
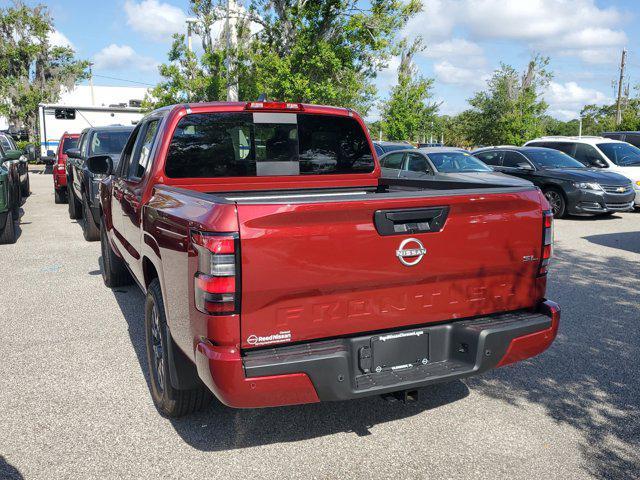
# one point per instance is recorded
(231, 45)
(190, 24)
(93, 98)
(580, 127)
(619, 103)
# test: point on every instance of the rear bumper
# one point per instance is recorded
(59, 179)
(332, 369)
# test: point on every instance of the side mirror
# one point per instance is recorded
(598, 162)
(525, 166)
(13, 154)
(73, 153)
(100, 165)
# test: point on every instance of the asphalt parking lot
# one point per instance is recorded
(74, 400)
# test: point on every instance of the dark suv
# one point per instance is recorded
(82, 185)
(630, 137)
(570, 187)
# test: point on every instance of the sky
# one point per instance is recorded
(465, 41)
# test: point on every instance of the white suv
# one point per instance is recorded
(599, 152)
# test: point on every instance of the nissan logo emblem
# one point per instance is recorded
(410, 252)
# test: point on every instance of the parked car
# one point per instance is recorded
(386, 147)
(599, 152)
(630, 137)
(9, 198)
(82, 185)
(67, 142)
(569, 186)
(443, 167)
(12, 152)
(272, 281)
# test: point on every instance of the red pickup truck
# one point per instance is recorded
(279, 268)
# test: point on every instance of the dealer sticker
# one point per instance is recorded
(281, 337)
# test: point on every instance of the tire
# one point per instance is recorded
(114, 271)
(557, 202)
(8, 233)
(90, 230)
(59, 195)
(167, 399)
(26, 188)
(75, 209)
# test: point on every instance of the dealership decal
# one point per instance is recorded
(281, 337)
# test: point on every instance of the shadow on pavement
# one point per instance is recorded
(222, 428)
(8, 471)
(588, 378)
(629, 241)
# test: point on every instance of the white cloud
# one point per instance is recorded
(122, 57)
(155, 19)
(567, 99)
(569, 27)
(447, 72)
(59, 39)
(456, 47)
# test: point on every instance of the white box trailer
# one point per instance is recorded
(54, 120)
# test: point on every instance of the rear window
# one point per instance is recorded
(209, 145)
(108, 142)
(68, 144)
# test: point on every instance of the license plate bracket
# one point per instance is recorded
(400, 350)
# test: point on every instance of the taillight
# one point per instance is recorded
(215, 283)
(547, 242)
(272, 106)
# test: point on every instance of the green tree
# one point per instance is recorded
(510, 111)
(32, 71)
(325, 51)
(407, 115)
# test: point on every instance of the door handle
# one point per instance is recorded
(411, 220)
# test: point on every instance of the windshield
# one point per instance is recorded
(451, 162)
(548, 158)
(69, 143)
(109, 142)
(6, 143)
(264, 144)
(621, 154)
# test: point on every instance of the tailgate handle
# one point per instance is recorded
(412, 220)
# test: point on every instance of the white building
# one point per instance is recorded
(102, 96)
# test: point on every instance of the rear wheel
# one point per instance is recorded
(168, 400)
(114, 272)
(90, 230)
(60, 195)
(8, 233)
(557, 202)
(75, 209)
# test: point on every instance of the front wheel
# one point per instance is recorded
(8, 233)
(90, 230)
(75, 209)
(557, 202)
(114, 271)
(168, 400)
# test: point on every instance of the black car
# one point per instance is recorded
(82, 185)
(570, 186)
(630, 137)
(443, 167)
(386, 147)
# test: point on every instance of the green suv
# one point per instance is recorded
(9, 198)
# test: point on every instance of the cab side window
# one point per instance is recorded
(491, 158)
(141, 158)
(514, 160)
(417, 163)
(393, 160)
(587, 155)
(127, 153)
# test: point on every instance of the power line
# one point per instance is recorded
(124, 80)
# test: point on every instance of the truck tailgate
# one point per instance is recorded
(322, 269)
